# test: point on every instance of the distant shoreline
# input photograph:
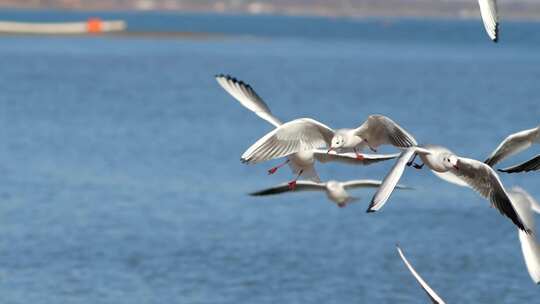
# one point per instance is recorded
(511, 13)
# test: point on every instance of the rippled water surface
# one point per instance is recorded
(121, 182)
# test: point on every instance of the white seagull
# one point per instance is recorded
(527, 206)
(490, 17)
(454, 169)
(514, 144)
(301, 161)
(336, 191)
(433, 296)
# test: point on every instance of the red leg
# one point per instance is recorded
(274, 169)
(358, 155)
(292, 184)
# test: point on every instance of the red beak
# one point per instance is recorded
(456, 167)
(330, 150)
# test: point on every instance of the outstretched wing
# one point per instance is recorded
(484, 180)
(282, 188)
(294, 136)
(427, 289)
(380, 130)
(530, 165)
(390, 181)
(350, 158)
(511, 145)
(525, 205)
(247, 97)
(367, 183)
(490, 17)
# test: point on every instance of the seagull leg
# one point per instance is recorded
(274, 169)
(292, 184)
(417, 166)
(358, 155)
(412, 160)
(414, 164)
(370, 147)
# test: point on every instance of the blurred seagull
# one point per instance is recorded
(490, 17)
(454, 169)
(301, 161)
(434, 297)
(336, 191)
(527, 206)
(514, 144)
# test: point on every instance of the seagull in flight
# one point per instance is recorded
(301, 161)
(454, 169)
(336, 191)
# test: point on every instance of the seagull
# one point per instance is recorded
(527, 206)
(532, 164)
(433, 296)
(514, 144)
(488, 11)
(306, 134)
(302, 161)
(336, 191)
(454, 169)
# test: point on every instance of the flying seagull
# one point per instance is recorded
(301, 161)
(336, 191)
(454, 169)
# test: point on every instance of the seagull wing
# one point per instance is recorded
(429, 291)
(284, 187)
(367, 183)
(390, 181)
(524, 203)
(350, 158)
(531, 165)
(511, 145)
(247, 97)
(451, 178)
(484, 180)
(294, 136)
(379, 130)
(490, 17)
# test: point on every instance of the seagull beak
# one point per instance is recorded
(456, 167)
(329, 150)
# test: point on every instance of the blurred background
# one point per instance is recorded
(121, 180)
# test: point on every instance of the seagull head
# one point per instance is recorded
(451, 161)
(337, 142)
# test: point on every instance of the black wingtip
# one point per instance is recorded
(369, 210)
(496, 39)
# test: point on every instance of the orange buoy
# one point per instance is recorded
(93, 25)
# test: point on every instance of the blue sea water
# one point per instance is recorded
(121, 181)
